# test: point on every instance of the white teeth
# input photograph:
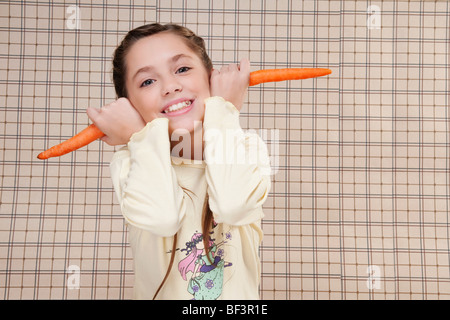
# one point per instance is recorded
(178, 106)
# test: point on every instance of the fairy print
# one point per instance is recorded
(206, 272)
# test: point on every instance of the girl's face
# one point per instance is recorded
(165, 78)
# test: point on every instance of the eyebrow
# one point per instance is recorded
(174, 59)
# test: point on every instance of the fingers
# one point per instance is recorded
(92, 113)
(97, 116)
(243, 66)
(233, 72)
(231, 82)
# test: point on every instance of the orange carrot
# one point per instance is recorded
(273, 75)
(92, 133)
(84, 137)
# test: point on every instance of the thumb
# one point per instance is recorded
(244, 65)
(92, 113)
(244, 68)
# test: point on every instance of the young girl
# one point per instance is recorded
(195, 224)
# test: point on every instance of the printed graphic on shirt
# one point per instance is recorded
(204, 274)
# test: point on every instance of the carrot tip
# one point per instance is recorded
(41, 156)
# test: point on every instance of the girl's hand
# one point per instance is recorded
(231, 82)
(117, 120)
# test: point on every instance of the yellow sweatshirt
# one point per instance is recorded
(160, 195)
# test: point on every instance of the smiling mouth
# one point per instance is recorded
(177, 107)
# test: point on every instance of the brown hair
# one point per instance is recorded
(197, 45)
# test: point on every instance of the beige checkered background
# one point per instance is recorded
(359, 207)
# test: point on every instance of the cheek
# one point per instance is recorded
(146, 105)
(200, 84)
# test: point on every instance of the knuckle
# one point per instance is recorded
(122, 100)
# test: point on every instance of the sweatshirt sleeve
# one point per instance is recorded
(237, 166)
(145, 181)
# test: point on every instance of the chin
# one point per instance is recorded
(184, 127)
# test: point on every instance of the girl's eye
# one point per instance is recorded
(147, 83)
(183, 69)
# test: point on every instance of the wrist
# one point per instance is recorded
(140, 134)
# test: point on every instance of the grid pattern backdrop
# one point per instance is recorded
(359, 207)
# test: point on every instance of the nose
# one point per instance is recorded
(171, 85)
